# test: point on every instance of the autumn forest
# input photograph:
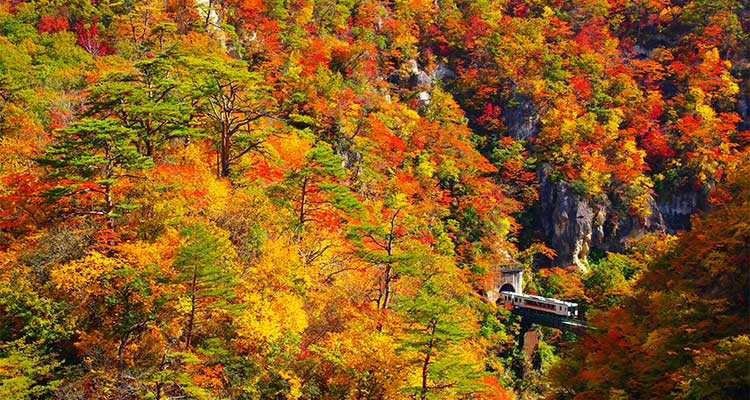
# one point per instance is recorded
(314, 199)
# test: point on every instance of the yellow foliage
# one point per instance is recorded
(361, 347)
(350, 119)
(107, 65)
(548, 12)
(657, 340)
(190, 189)
(640, 196)
(10, 268)
(615, 120)
(140, 23)
(159, 253)
(730, 86)
(280, 264)
(196, 43)
(268, 317)
(703, 109)
(291, 148)
(294, 66)
(304, 14)
(295, 384)
(711, 55)
(425, 167)
(592, 174)
(668, 13)
(273, 307)
(16, 149)
(79, 275)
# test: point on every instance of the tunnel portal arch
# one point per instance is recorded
(507, 278)
(507, 287)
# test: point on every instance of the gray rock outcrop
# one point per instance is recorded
(521, 116)
(573, 225)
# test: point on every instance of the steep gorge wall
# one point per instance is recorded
(570, 223)
(573, 225)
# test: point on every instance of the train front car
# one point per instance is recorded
(573, 310)
(510, 298)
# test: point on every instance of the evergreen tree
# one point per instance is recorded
(438, 326)
(205, 278)
(90, 157)
(149, 99)
(233, 102)
(312, 188)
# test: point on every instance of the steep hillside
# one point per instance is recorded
(303, 199)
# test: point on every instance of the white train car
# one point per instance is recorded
(539, 303)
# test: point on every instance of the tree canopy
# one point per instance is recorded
(264, 199)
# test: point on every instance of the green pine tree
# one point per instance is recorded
(204, 273)
(313, 190)
(233, 102)
(438, 325)
(150, 100)
(90, 157)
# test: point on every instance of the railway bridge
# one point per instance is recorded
(506, 287)
(510, 279)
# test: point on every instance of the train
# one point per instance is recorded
(543, 304)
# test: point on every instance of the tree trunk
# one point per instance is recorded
(426, 363)
(302, 204)
(224, 154)
(149, 147)
(121, 352)
(385, 291)
(191, 318)
(388, 275)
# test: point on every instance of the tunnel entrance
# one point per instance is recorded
(507, 288)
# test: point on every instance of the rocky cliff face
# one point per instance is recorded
(567, 222)
(573, 225)
(679, 206)
(521, 116)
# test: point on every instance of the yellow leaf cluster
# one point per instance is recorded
(79, 275)
(273, 306)
(268, 318)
